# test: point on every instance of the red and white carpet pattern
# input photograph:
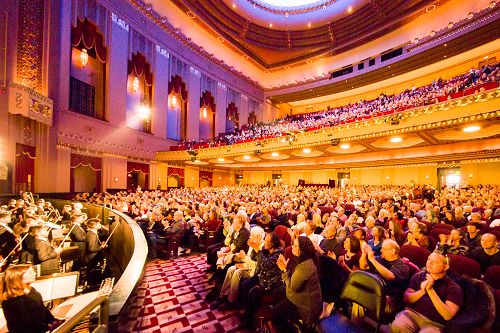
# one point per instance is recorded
(171, 298)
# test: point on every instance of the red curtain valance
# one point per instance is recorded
(206, 175)
(86, 32)
(178, 86)
(179, 172)
(207, 100)
(137, 167)
(82, 160)
(139, 67)
(232, 113)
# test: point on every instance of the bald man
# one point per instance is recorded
(488, 254)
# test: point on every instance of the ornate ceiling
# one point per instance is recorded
(274, 35)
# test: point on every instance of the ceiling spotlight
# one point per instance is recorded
(306, 150)
(196, 161)
(349, 10)
(275, 154)
(246, 157)
(220, 159)
(396, 139)
(234, 5)
(471, 129)
(270, 25)
(345, 146)
(309, 24)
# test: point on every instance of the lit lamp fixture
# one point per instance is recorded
(174, 101)
(345, 146)
(471, 129)
(204, 113)
(135, 84)
(275, 154)
(246, 157)
(396, 139)
(306, 150)
(84, 57)
(144, 112)
(220, 159)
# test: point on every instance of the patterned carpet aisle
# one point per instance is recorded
(171, 298)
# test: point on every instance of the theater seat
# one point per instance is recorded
(364, 289)
(461, 265)
(416, 254)
(492, 276)
(283, 234)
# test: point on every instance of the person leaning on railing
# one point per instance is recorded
(22, 305)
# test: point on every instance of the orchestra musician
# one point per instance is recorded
(7, 237)
(45, 254)
(94, 247)
(78, 235)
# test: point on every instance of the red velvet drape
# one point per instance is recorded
(87, 32)
(178, 86)
(89, 161)
(139, 167)
(179, 172)
(25, 168)
(233, 114)
(139, 67)
(207, 100)
(207, 175)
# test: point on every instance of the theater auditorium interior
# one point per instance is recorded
(270, 166)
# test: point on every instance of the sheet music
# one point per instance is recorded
(57, 287)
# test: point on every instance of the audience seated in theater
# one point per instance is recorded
(488, 254)
(390, 268)
(266, 280)
(244, 269)
(473, 236)
(416, 235)
(303, 292)
(378, 236)
(453, 243)
(432, 298)
(396, 233)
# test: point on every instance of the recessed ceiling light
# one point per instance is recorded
(349, 10)
(309, 24)
(275, 154)
(246, 157)
(471, 129)
(345, 146)
(396, 139)
(221, 159)
(306, 150)
(196, 161)
(270, 25)
(234, 5)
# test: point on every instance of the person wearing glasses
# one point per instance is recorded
(432, 298)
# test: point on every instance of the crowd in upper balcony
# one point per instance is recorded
(439, 90)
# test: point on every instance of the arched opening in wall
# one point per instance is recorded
(139, 93)
(137, 175)
(232, 117)
(84, 179)
(88, 70)
(238, 178)
(343, 179)
(85, 173)
(450, 178)
(173, 182)
(207, 116)
(177, 109)
(25, 168)
(205, 183)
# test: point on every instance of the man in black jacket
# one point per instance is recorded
(94, 247)
(45, 254)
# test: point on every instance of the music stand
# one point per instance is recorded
(58, 285)
(72, 253)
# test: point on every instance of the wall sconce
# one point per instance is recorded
(426, 177)
(470, 175)
(135, 84)
(204, 113)
(84, 57)
(116, 179)
(174, 101)
(144, 111)
(387, 177)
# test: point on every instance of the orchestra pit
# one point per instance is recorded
(250, 166)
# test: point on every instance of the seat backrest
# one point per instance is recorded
(416, 254)
(282, 233)
(443, 226)
(492, 276)
(464, 266)
(366, 290)
(435, 232)
(71, 253)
